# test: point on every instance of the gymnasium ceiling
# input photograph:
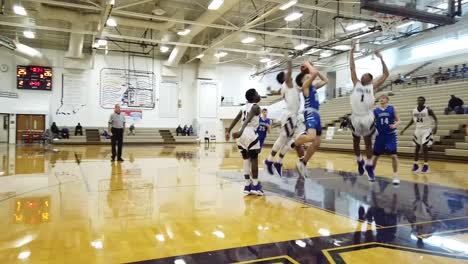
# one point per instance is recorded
(143, 26)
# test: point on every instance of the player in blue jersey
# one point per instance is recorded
(263, 127)
(386, 123)
(311, 114)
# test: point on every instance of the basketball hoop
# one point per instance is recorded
(388, 23)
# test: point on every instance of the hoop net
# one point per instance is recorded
(388, 23)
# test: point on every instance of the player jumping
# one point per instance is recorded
(362, 105)
(311, 114)
(291, 96)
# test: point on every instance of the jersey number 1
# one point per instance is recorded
(362, 98)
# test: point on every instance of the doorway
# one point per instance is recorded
(29, 128)
(4, 128)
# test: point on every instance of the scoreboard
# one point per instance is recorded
(34, 78)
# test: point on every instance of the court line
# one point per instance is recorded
(442, 232)
(327, 254)
(426, 222)
(266, 259)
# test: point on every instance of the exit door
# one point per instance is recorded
(29, 128)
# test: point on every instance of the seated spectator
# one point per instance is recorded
(207, 137)
(55, 130)
(179, 130)
(400, 80)
(190, 131)
(131, 130)
(344, 124)
(449, 73)
(78, 130)
(464, 70)
(455, 72)
(65, 133)
(439, 76)
(185, 130)
(455, 105)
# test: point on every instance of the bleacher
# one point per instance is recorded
(141, 136)
(448, 142)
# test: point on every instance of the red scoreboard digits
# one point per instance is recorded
(34, 78)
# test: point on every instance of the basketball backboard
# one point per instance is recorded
(440, 12)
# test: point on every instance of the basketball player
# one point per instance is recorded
(362, 105)
(422, 116)
(386, 122)
(263, 127)
(248, 142)
(311, 115)
(289, 120)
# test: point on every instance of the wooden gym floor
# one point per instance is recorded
(183, 204)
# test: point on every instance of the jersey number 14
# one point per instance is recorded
(384, 121)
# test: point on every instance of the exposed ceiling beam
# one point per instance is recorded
(66, 4)
(277, 34)
(327, 10)
(191, 45)
(132, 4)
(172, 19)
(228, 37)
(4, 23)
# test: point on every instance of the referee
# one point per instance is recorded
(116, 128)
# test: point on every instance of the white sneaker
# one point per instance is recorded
(396, 181)
(302, 169)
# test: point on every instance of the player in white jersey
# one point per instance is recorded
(289, 121)
(248, 142)
(362, 107)
(422, 116)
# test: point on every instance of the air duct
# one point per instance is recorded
(34, 56)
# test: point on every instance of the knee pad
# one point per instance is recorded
(253, 154)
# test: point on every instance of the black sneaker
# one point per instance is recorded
(120, 159)
(112, 159)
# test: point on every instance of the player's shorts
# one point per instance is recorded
(385, 144)
(312, 121)
(249, 140)
(362, 126)
(423, 137)
(261, 139)
(288, 124)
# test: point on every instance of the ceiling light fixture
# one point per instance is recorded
(293, 16)
(164, 49)
(221, 54)
(265, 60)
(215, 4)
(288, 4)
(184, 32)
(111, 22)
(200, 56)
(312, 51)
(355, 26)
(301, 46)
(29, 34)
(363, 35)
(248, 40)
(19, 10)
(342, 47)
(326, 54)
(102, 42)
